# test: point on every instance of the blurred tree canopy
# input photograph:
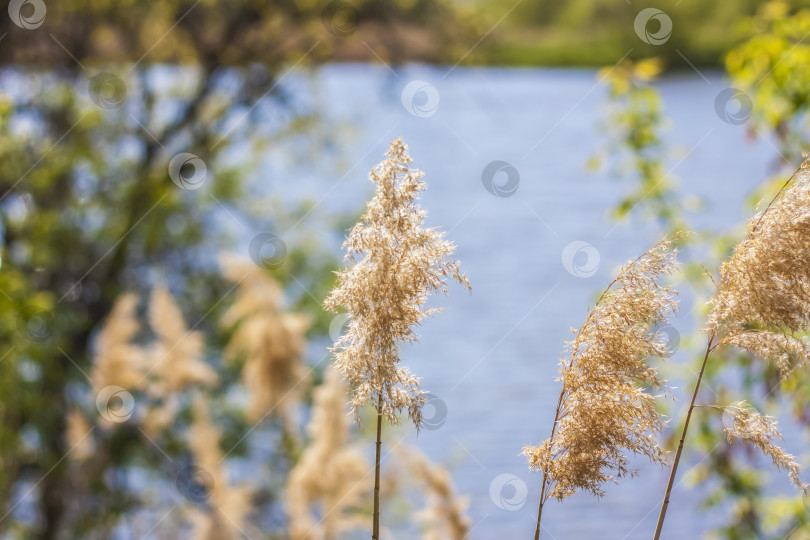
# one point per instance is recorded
(96, 99)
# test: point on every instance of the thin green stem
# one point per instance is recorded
(375, 533)
(674, 470)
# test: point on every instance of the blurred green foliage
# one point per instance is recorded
(94, 104)
(768, 68)
(598, 32)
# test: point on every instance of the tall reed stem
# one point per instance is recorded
(545, 476)
(375, 532)
(674, 470)
(560, 400)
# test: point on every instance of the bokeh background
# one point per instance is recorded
(141, 140)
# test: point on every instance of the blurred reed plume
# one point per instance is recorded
(117, 361)
(606, 409)
(228, 505)
(330, 471)
(177, 352)
(78, 436)
(385, 294)
(762, 305)
(177, 360)
(172, 363)
(445, 516)
(271, 342)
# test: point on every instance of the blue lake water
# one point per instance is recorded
(492, 356)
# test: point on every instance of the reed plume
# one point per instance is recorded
(178, 352)
(117, 360)
(77, 436)
(445, 516)
(228, 505)
(385, 294)
(606, 410)
(761, 431)
(272, 342)
(762, 305)
(330, 471)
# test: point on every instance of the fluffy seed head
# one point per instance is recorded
(385, 292)
(749, 426)
(606, 409)
(763, 299)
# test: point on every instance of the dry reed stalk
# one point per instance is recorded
(762, 305)
(605, 409)
(385, 294)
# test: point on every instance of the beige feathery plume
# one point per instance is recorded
(445, 517)
(78, 436)
(177, 353)
(117, 362)
(762, 303)
(746, 424)
(605, 410)
(385, 294)
(272, 342)
(330, 472)
(229, 505)
(386, 291)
